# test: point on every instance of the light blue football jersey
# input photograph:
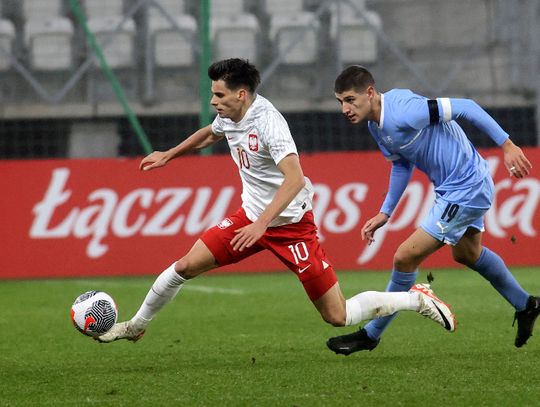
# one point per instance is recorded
(422, 132)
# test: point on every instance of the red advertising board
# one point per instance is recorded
(104, 217)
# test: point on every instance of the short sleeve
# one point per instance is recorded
(277, 137)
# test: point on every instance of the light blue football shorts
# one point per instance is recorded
(447, 221)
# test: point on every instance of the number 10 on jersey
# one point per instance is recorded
(243, 158)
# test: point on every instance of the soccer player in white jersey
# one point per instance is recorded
(275, 214)
(413, 131)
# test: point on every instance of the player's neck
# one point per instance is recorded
(376, 109)
(243, 110)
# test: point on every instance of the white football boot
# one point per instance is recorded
(122, 330)
(433, 308)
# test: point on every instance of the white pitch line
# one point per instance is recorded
(212, 290)
(103, 284)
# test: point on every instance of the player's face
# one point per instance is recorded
(357, 107)
(228, 103)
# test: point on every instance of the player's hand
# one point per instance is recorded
(247, 236)
(515, 161)
(370, 227)
(154, 160)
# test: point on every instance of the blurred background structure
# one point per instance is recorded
(57, 100)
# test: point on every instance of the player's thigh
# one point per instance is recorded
(331, 306)
(297, 246)
(308, 260)
(218, 240)
(467, 251)
(415, 249)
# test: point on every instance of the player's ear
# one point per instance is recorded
(242, 93)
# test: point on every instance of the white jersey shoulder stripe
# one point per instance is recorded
(446, 107)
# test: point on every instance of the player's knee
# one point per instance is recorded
(189, 267)
(182, 267)
(404, 262)
(465, 258)
(334, 318)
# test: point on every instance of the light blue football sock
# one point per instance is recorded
(490, 266)
(399, 281)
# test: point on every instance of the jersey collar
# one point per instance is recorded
(381, 120)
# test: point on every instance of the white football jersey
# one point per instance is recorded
(258, 143)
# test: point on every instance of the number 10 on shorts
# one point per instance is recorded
(299, 251)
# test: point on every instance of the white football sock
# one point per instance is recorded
(163, 290)
(375, 304)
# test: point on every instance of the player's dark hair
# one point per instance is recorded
(236, 73)
(355, 78)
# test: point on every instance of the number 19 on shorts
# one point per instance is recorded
(450, 212)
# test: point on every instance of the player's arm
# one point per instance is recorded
(293, 183)
(202, 138)
(445, 109)
(399, 178)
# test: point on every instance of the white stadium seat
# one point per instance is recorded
(103, 8)
(173, 48)
(7, 36)
(118, 47)
(49, 43)
(357, 41)
(41, 9)
(220, 8)
(283, 7)
(235, 36)
(286, 29)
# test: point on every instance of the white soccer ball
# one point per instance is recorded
(94, 313)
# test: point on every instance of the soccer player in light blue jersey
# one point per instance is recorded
(414, 131)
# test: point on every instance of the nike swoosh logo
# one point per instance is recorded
(447, 325)
(300, 271)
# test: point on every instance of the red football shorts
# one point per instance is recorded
(296, 245)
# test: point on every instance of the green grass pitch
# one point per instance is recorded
(256, 340)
